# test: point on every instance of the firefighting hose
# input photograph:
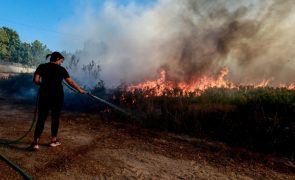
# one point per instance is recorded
(18, 140)
(23, 173)
(101, 100)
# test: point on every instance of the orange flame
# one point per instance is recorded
(197, 85)
(159, 85)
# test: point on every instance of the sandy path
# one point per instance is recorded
(93, 148)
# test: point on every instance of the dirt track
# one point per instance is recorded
(93, 148)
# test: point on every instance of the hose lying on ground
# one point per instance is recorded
(17, 168)
(18, 140)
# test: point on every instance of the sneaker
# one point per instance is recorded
(54, 143)
(33, 147)
(36, 147)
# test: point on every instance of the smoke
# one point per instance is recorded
(189, 38)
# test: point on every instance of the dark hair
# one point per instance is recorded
(54, 56)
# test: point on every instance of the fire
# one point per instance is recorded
(263, 83)
(289, 87)
(196, 86)
(205, 82)
(159, 85)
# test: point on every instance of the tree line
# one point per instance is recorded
(13, 50)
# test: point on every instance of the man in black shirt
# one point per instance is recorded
(51, 96)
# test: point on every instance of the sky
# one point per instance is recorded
(43, 19)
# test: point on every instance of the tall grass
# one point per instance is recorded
(261, 119)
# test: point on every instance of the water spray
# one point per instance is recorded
(103, 101)
(108, 103)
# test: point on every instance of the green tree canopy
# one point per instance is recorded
(13, 50)
(4, 42)
(39, 51)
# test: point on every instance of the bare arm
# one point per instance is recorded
(72, 83)
(36, 79)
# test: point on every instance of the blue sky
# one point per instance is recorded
(41, 19)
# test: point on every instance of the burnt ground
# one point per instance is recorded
(97, 148)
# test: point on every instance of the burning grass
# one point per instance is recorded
(195, 86)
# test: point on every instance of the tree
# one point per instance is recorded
(3, 45)
(24, 54)
(13, 44)
(92, 69)
(72, 63)
(39, 52)
(13, 50)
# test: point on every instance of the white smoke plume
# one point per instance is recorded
(254, 39)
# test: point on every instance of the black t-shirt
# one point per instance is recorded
(51, 78)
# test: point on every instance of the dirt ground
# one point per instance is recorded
(97, 148)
